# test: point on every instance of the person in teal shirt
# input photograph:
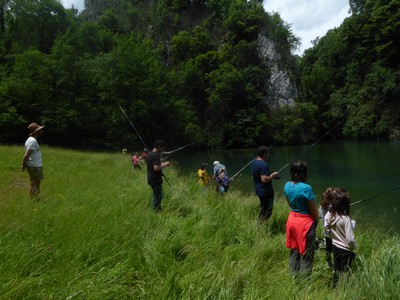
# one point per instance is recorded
(302, 221)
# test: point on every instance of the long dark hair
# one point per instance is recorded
(298, 171)
(341, 203)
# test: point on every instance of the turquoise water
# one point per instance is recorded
(365, 169)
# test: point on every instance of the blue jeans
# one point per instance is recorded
(157, 197)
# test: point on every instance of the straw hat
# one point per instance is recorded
(34, 128)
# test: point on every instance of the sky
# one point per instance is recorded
(78, 4)
(308, 19)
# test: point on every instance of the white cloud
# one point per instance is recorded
(309, 19)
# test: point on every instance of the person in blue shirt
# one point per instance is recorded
(216, 173)
(262, 179)
(217, 167)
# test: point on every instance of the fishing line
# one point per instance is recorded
(132, 125)
(169, 153)
(376, 195)
(308, 148)
(243, 168)
(248, 164)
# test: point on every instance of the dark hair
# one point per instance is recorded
(298, 171)
(341, 202)
(262, 150)
(159, 144)
(327, 197)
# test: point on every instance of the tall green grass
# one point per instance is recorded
(93, 235)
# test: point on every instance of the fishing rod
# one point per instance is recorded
(169, 153)
(308, 148)
(165, 177)
(376, 195)
(132, 125)
(243, 168)
(248, 164)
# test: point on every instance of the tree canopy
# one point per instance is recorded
(354, 71)
(191, 71)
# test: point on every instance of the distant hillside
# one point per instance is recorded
(219, 73)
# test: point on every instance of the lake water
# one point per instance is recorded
(365, 169)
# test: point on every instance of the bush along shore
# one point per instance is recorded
(92, 234)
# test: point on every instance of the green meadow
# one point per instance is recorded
(93, 235)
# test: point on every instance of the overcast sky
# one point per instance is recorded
(76, 3)
(308, 18)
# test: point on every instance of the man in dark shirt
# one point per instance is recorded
(262, 183)
(154, 173)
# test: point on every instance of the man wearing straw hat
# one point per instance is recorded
(32, 160)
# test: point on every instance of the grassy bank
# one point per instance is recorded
(93, 235)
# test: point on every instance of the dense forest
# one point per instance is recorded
(193, 71)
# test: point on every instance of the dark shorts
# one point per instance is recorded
(35, 173)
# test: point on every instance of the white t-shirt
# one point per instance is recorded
(35, 160)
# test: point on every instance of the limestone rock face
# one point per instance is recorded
(281, 89)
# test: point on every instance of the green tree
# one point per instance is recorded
(295, 124)
(187, 45)
(357, 66)
(282, 35)
(109, 20)
(26, 92)
(34, 23)
(4, 7)
(132, 75)
(181, 69)
(356, 6)
(244, 20)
